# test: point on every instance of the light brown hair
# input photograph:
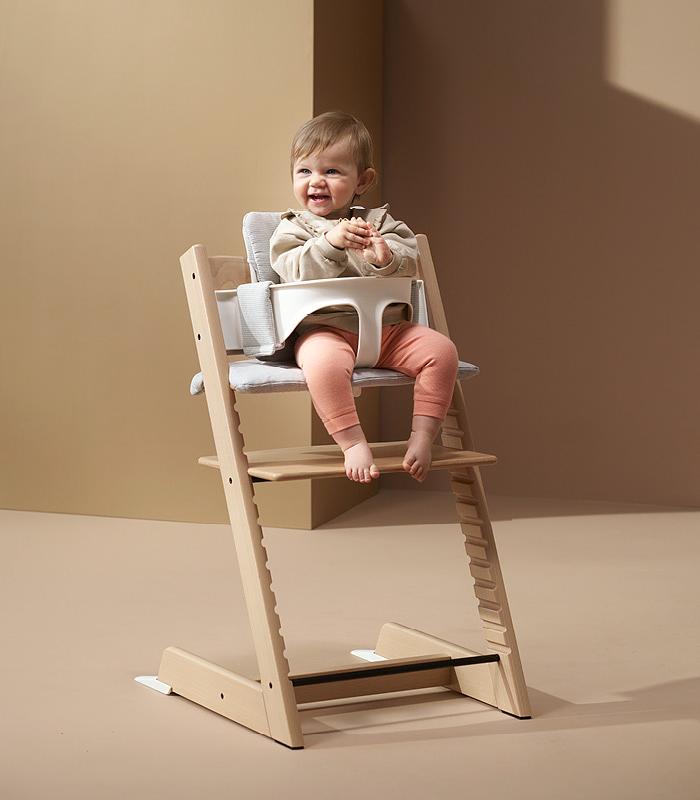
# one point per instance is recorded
(328, 128)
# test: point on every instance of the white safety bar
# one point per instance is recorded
(291, 302)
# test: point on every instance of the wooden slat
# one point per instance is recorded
(326, 461)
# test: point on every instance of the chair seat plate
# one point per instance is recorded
(252, 375)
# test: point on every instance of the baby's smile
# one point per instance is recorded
(318, 197)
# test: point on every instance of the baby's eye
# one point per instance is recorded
(303, 169)
(332, 169)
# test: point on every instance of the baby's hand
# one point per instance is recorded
(378, 252)
(352, 233)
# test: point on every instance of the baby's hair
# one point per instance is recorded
(326, 129)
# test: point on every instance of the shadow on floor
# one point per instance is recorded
(398, 507)
(434, 716)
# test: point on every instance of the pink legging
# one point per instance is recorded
(327, 356)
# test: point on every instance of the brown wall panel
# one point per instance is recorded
(562, 215)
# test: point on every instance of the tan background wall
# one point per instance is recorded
(141, 130)
(561, 202)
(129, 132)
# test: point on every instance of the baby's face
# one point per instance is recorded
(326, 182)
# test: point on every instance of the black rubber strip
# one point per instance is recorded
(394, 669)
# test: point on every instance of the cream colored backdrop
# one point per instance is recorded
(129, 132)
(551, 151)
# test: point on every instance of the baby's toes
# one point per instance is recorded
(374, 471)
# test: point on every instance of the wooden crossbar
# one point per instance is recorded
(395, 667)
(397, 676)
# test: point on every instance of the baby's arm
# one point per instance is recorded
(297, 256)
(402, 243)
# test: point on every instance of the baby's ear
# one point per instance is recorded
(369, 177)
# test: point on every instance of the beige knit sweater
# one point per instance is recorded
(299, 251)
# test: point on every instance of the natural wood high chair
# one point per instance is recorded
(404, 658)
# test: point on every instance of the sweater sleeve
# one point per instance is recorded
(402, 243)
(297, 256)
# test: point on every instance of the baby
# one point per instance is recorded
(331, 168)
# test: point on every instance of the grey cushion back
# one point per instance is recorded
(258, 227)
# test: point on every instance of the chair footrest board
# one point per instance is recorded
(326, 461)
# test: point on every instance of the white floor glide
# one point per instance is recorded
(367, 655)
(153, 683)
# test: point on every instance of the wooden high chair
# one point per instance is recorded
(404, 658)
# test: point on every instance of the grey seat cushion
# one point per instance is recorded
(252, 375)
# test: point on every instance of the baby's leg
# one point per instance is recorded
(327, 356)
(431, 359)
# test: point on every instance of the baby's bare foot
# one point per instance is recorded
(419, 455)
(359, 463)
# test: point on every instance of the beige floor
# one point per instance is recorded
(605, 600)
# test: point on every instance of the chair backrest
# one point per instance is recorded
(258, 227)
